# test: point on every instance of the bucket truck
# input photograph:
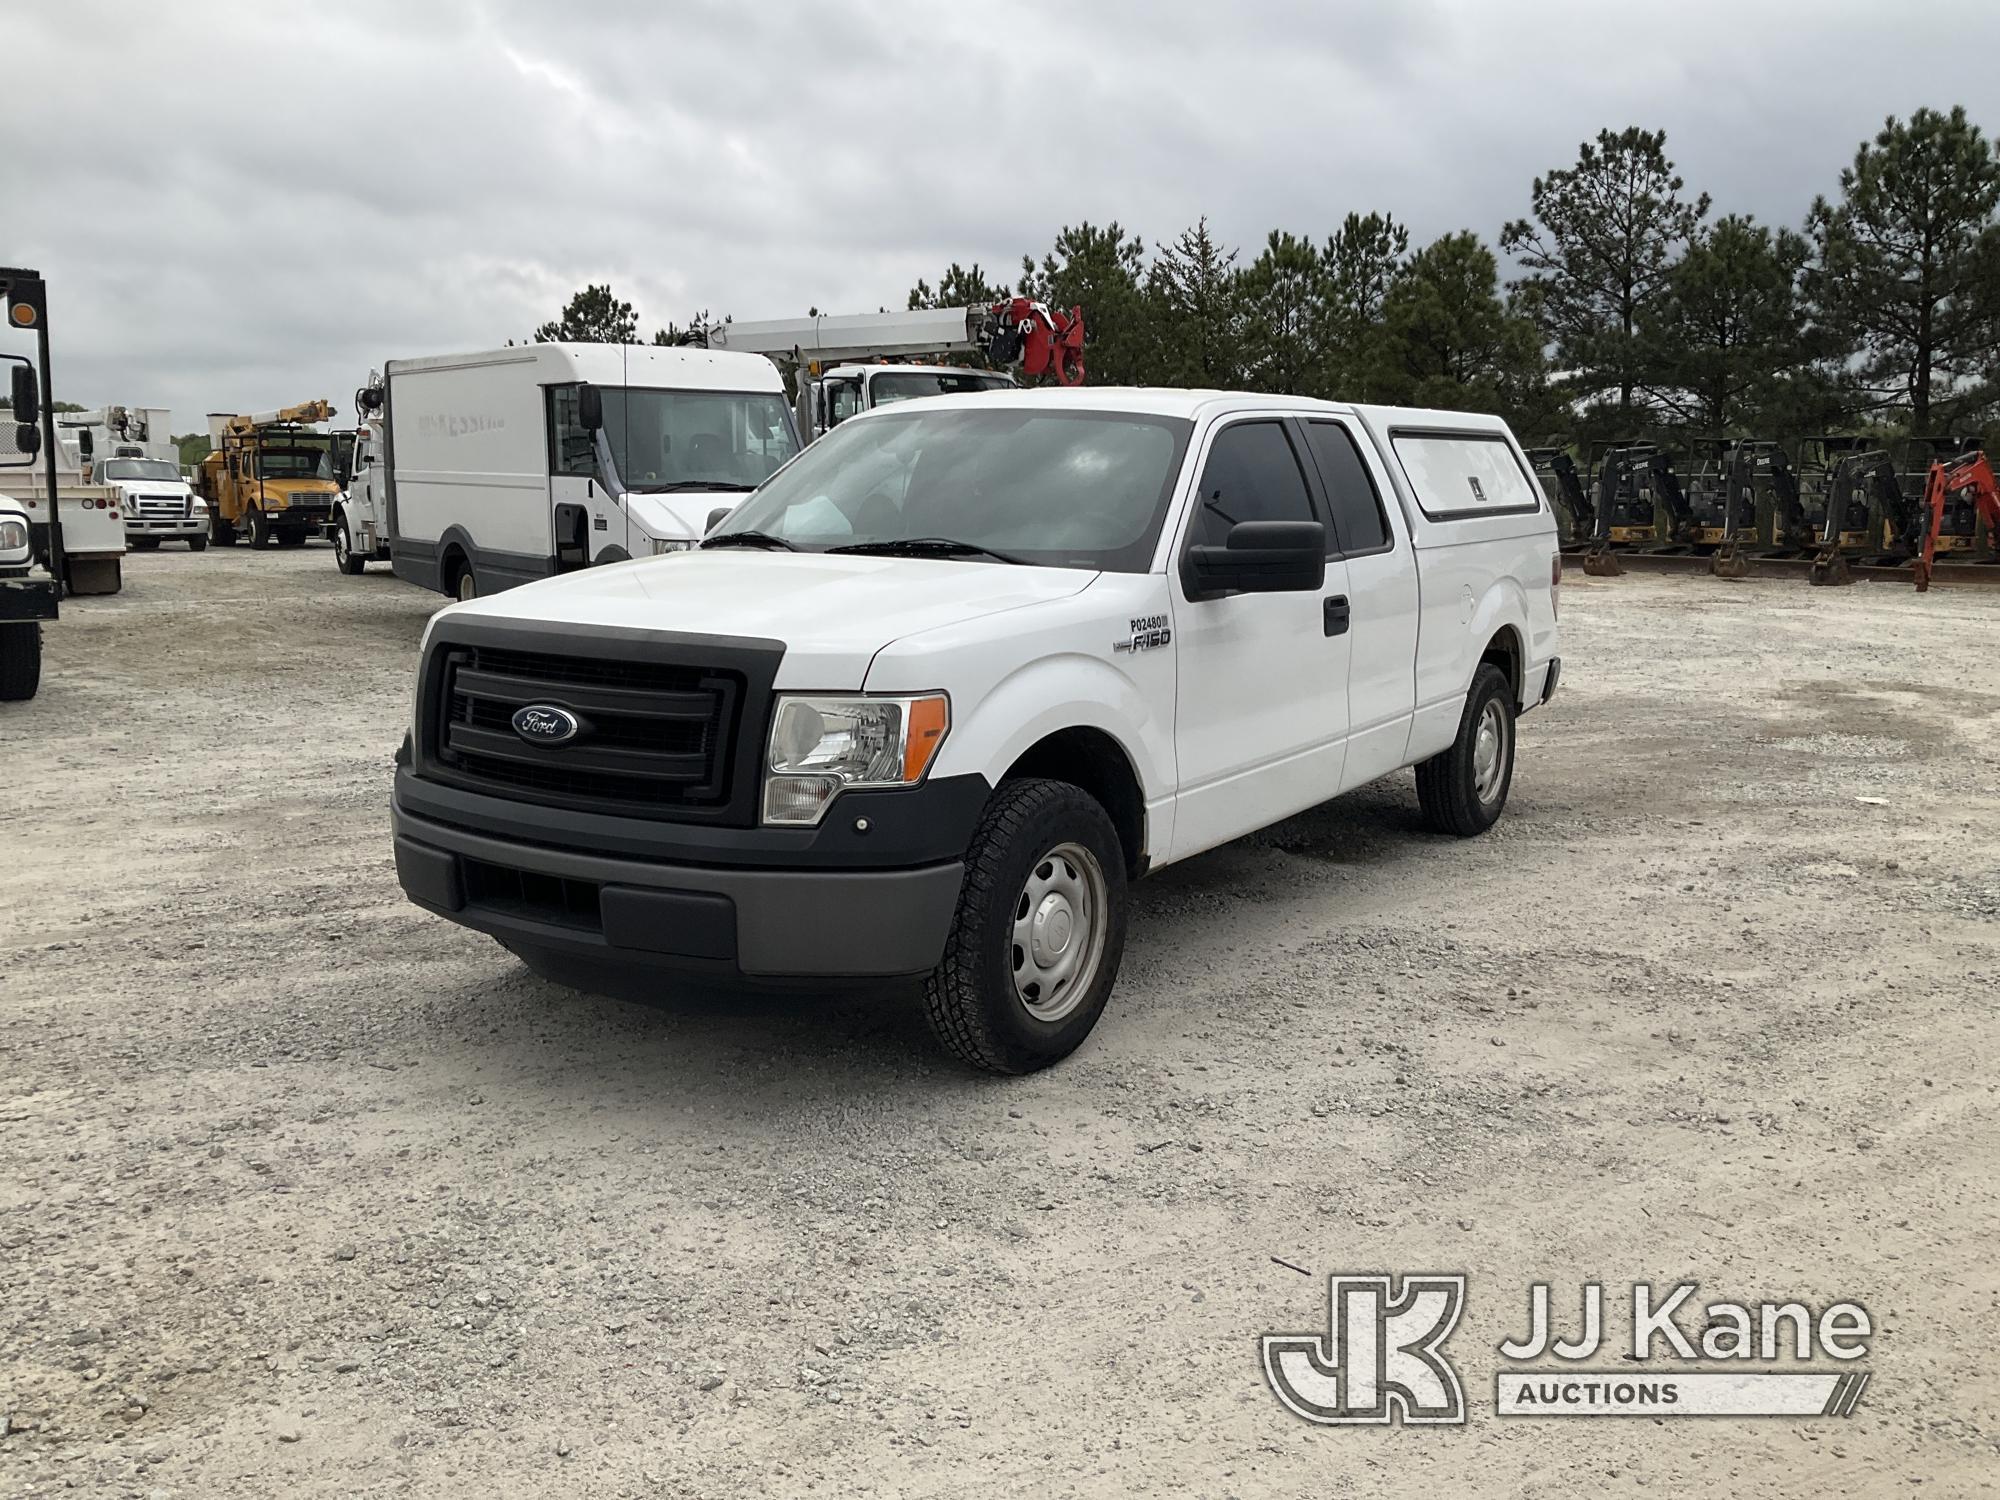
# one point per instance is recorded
(270, 474)
(131, 451)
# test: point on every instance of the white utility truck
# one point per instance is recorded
(92, 553)
(131, 451)
(29, 590)
(929, 699)
(502, 467)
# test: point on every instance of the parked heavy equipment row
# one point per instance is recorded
(1837, 507)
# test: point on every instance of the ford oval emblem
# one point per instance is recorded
(545, 724)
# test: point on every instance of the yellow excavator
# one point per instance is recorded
(270, 474)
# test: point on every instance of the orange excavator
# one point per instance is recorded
(1960, 493)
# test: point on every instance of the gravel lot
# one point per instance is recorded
(305, 1192)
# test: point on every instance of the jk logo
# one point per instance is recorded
(1379, 1353)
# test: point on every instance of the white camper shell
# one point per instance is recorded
(506, 466)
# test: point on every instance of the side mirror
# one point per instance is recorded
(25, 394)
(27, 439)
(1259, 557)
(720, 513)
(589, 407)
(85, 443)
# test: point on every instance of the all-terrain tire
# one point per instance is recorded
(20, 661)
(1459, 792)
(973, 997)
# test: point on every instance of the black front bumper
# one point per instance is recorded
(23, 599)
(752, 903)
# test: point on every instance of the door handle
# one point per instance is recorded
(1337, 614)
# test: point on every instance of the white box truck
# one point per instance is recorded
(498, 468)
(933, 695)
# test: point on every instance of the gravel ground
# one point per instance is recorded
(305, 1192)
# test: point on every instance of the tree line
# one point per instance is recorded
(1624, 304)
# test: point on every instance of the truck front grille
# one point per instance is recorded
(164, 507)
(656, 738)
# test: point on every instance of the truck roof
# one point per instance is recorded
(660, 367)
(1165, 401)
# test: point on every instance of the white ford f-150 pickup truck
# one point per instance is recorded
(934, 694)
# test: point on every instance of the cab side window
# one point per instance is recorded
(572, 447)
(1358, 522)
(1251, 474)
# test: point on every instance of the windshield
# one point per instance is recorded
(664, 440)
(1070, 489)
(139, 468)
(294, 463)
(892, 386)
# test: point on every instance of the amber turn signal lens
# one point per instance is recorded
(929, 719)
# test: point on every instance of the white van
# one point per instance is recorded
(503, 467)
(929, 700)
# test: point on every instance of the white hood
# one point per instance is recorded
(832, 613)
(682, 516)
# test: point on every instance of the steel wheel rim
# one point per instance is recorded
(468, 586)
(1489, 752)
(1057, 941)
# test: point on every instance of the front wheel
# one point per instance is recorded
(344, 557)
(197, 542)
(291, 537)
(1036, 941)
(143, 543)
(20, 661)
(220, 531)
(260, 529)
(1462, 790)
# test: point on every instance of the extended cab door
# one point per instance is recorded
(1381, 594)
(1260, 721)
(584, 519)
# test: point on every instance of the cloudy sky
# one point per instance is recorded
(240, 205)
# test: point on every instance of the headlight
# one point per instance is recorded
(821, 746)
(660, 545)
(13, 534)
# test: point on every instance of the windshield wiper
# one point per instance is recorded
(679, 485)
(749, 539)
(926, 546)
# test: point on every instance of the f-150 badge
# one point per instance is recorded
(1148, 631)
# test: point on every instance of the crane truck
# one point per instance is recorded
(848, 364)
(269, 474)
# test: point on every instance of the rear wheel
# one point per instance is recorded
(1040, 929)
(1462, 790)
(464, 582)
(20, 661)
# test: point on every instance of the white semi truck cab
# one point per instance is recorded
(934, 695)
